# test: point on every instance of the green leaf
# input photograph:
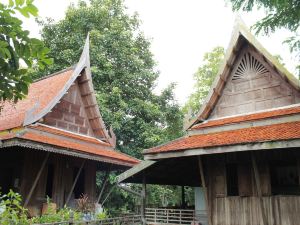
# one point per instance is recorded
(32, 10)
(7, 53)
(48, 61)
(11, 3)
(24, 12)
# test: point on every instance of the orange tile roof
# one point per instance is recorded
(42, 92)
(71, 143)
(249, 117)
(276, 132)
(54, 130)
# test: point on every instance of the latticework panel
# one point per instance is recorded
(249, 66)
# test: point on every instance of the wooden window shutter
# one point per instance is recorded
(244, 180)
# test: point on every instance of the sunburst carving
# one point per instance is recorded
(249, 65)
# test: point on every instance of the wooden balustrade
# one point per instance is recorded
(175, 216)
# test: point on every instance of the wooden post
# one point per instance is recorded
(103, 186)
(36, 179)
(74, 183)
(205, 189)
(143, 201)
(258, 188)
(182, 197)
(112, 188)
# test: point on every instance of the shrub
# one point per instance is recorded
(12, 210)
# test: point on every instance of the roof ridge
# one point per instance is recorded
(55, 73)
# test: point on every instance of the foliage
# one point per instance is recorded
(18, 51)
(204, 77)
(11, 210)
(63, 214)
(168, 196)
(84, 205)
(123, 69)
(124, 77)
(280, 14)
(102, 215)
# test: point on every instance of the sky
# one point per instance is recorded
(181, 31)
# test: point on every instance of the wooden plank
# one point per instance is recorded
(74, 183)
(258, 188)
(36, 179)
(205, 189)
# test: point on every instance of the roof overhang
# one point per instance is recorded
(23, 144)
(179, 171)
(268, 145)
(181, 167)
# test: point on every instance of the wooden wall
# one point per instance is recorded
(244, 208)
(253, 85)
(27, 163)
(280, 210)
(70, 113)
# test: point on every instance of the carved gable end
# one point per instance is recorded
(253, 85)
(70, 114)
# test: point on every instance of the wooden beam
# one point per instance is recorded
(258, 188)
(36, 179)
(112, 188)
(89, 106)
(201, 169)
(83, 81)
(130, 190)
(182, 197)
(87, 94)
(103, 185)
(94, 118)
(143, 201)
(75, 181)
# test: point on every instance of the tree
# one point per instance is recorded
(124, 77)
(18, 52)
(123, 72)
(204, 77)
(280, 14)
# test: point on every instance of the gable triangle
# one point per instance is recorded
(245, 56)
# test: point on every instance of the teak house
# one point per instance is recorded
(54, 140)
(242, 148)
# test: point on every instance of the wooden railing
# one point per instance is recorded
(175, 216)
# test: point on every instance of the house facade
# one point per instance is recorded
(54, 141)
(241, 151)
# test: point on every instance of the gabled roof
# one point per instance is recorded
(240, 36)
(40, 96)
(19, 123)
(40, 136)
(270, 133)
(47, 92)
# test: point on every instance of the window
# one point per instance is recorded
(284, 178)
(232, 180)
(49, 184)
(79, 187)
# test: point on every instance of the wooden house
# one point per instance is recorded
(54, 140)
(242, 148)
